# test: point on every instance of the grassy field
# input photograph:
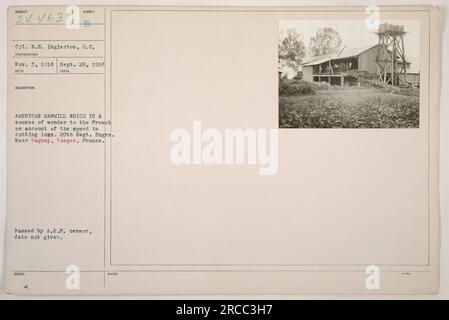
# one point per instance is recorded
(327, 106)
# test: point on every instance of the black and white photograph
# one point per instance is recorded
(349, 74)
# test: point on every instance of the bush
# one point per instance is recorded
(295, 87)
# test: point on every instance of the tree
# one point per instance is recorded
(325, 41)
(291, 48)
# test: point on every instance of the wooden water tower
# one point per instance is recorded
(390, 59)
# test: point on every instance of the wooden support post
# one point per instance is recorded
(403, 60)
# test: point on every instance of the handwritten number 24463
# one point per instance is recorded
(46, 17)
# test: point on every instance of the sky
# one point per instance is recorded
(355, 34)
